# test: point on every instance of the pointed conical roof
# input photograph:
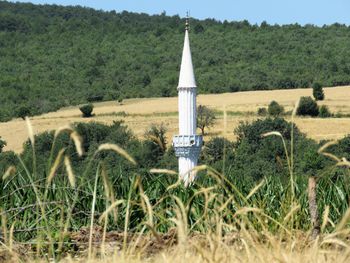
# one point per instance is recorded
(187, 79)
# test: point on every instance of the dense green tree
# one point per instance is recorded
(317, 91)
(324, 112)
(307, 107)
(275, 109)
(2, 144)
(86, 110)
(23, 112)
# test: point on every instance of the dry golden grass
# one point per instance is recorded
(143, 112)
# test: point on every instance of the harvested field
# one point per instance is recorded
(138, 114)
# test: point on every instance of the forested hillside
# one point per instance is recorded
(54, 56)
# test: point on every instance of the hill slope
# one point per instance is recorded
(139, 114)
(53, 56)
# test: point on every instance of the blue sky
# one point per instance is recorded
(317, 12)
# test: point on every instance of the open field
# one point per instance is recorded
(140, 113)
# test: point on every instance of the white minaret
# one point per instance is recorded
(187, 145)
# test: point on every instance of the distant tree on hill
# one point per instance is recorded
(307, 106)
(2, 144)
(275, 109)
(205, 118)
(324, 112)
(23, 112)
(86, 110)
(317, 91)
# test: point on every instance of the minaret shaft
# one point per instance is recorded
(187, 111)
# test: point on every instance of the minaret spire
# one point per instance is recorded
(187, 144)
(187, 21)
(187, 79)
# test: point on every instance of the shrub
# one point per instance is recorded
(262, 112)
(23, 112)
(94, 98)
(307, 106)
(324, 112)
(217, 150)
(317, 91)
(256, 156)
(87, 110)
(275, 109)
(2, 144)
(156, 134)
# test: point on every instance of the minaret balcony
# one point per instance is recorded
(187, 145)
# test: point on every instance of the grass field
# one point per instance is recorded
(48, 213)
(140, 113)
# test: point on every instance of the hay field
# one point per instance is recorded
(140, 113)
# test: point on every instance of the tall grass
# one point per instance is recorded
(216, 220)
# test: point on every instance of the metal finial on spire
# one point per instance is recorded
(187, 20)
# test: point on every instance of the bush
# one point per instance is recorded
(23, 112)
(87, 110)
(262, 112)
(2, 144)
(95, 98)
(275, 109)
(317, 91)
(256, 156)
(324, 112)
(307, 106)
(216, 151)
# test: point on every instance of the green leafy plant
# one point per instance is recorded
(307, 107)
(2, 144)
(86, 110)
(324, 112)
(275, 109)
(23, 112)
(317, 91)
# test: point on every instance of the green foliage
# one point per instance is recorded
(307, 107)
(256, 156)
(241, 166)
(86, 110)
(205, 118)
(218, 152)
(317, 91)
(23, 112)
(155, 145)
(262, 112)
(324, 112)
(71, 54)
(275, 109)
(2, 144)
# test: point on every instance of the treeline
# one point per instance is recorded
(53, 56)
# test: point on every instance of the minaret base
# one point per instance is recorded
(186, 172)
